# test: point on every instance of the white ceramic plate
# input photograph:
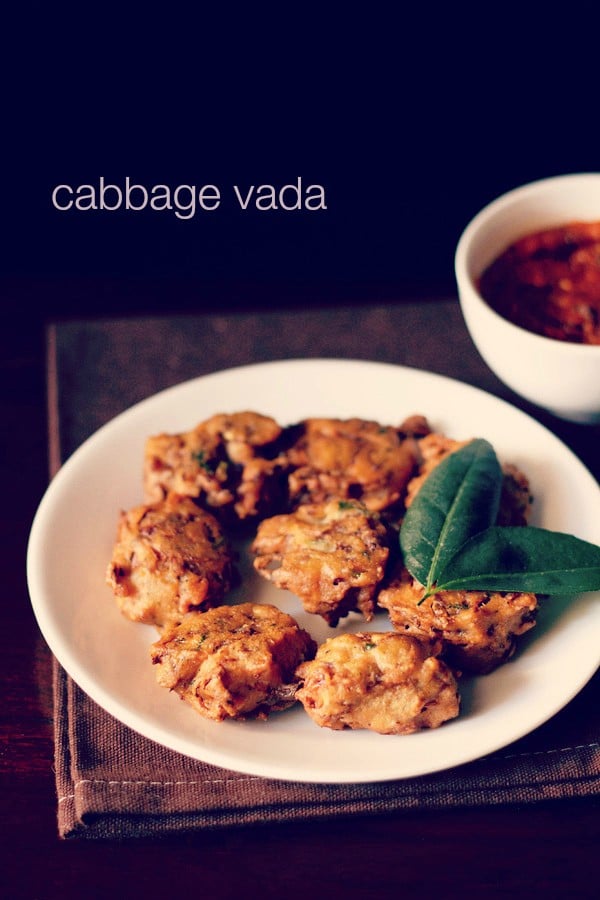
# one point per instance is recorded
(74, 529)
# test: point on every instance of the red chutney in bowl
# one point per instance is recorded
(549, 282)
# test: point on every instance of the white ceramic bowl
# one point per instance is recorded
(561, 377)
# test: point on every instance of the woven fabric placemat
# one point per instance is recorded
(113, 782)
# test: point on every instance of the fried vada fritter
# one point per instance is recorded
(170, 557)
(350, 459)
(416, 426)
(388, 683)
(331, 555)
(233, 661)
(515, 498)
(478, 630)
(228, 462)
(243, 433)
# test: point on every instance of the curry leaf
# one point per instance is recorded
(523, 559)
(458, 499)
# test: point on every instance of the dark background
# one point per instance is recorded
(411, 122)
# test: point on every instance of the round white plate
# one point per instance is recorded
(74, 529)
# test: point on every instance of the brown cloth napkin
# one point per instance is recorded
(114, 783)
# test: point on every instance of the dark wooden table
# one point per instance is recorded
(548, 848)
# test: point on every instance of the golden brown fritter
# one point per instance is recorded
(331, 555)
(228, 462)
(515, 499)
(387, 682)
(351, 459)
(233, 661)
(416, 426)
(170, 557)
(477, 629)
(242, 433)
(432, 448)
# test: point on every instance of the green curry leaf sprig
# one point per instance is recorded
(449, 539)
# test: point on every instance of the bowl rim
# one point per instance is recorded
(463, 276)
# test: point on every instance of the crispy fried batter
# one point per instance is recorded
(477, 629)
(416, 426)
(328, 496)
(331, 555)
(233, 661)
(228, 462)
(169, 557)
(388, 682)
(350, 459)
(433, 448)
(515, 500)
